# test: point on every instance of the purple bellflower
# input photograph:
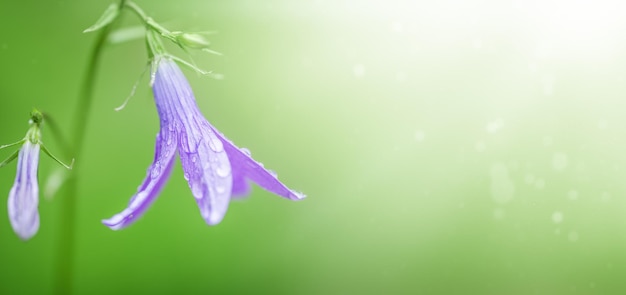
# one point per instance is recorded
(23, 201)
(213, 166)
(24, 195)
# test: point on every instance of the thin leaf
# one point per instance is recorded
(109, 15)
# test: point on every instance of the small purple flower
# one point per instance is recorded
(24, 196)
(214, 167)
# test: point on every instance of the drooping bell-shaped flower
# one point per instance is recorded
(23, 201)
(213, 166)
(24, 196)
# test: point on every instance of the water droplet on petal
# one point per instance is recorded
(186, 176)
(299, 195)
(216, 145)
(196, 191)
(271, 172)
(156, 170)
(194, 159)
(246, 151)
(222, 170)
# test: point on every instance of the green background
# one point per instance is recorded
(446, 147)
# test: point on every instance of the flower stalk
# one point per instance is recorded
(64, 270)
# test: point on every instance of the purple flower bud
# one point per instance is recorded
(213, 166)
(24, 196)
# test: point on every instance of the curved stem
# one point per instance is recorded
(67, 232)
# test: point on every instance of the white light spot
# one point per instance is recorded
(559, 161)
(502, 187)
(603, 124)
(419, 135)
(480, 146)
(572, 195)
(540, 183)
(573, 236)
(358, 70)
(495, 126)
(397, 27)
(557, 217)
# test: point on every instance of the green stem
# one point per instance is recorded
(67, 236)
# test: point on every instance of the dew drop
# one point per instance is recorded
(186, 176)
(196, 191)
(271, 172)
(222, 170)
(156, 170)
(299, 195)
(216, 145)
(246, 151)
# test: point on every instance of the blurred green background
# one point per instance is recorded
(447, 147)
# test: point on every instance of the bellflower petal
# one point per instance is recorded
(205, 163)
(24, 195)
(158, 173)
(214, 167)
(241, 186)
(246, 167)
